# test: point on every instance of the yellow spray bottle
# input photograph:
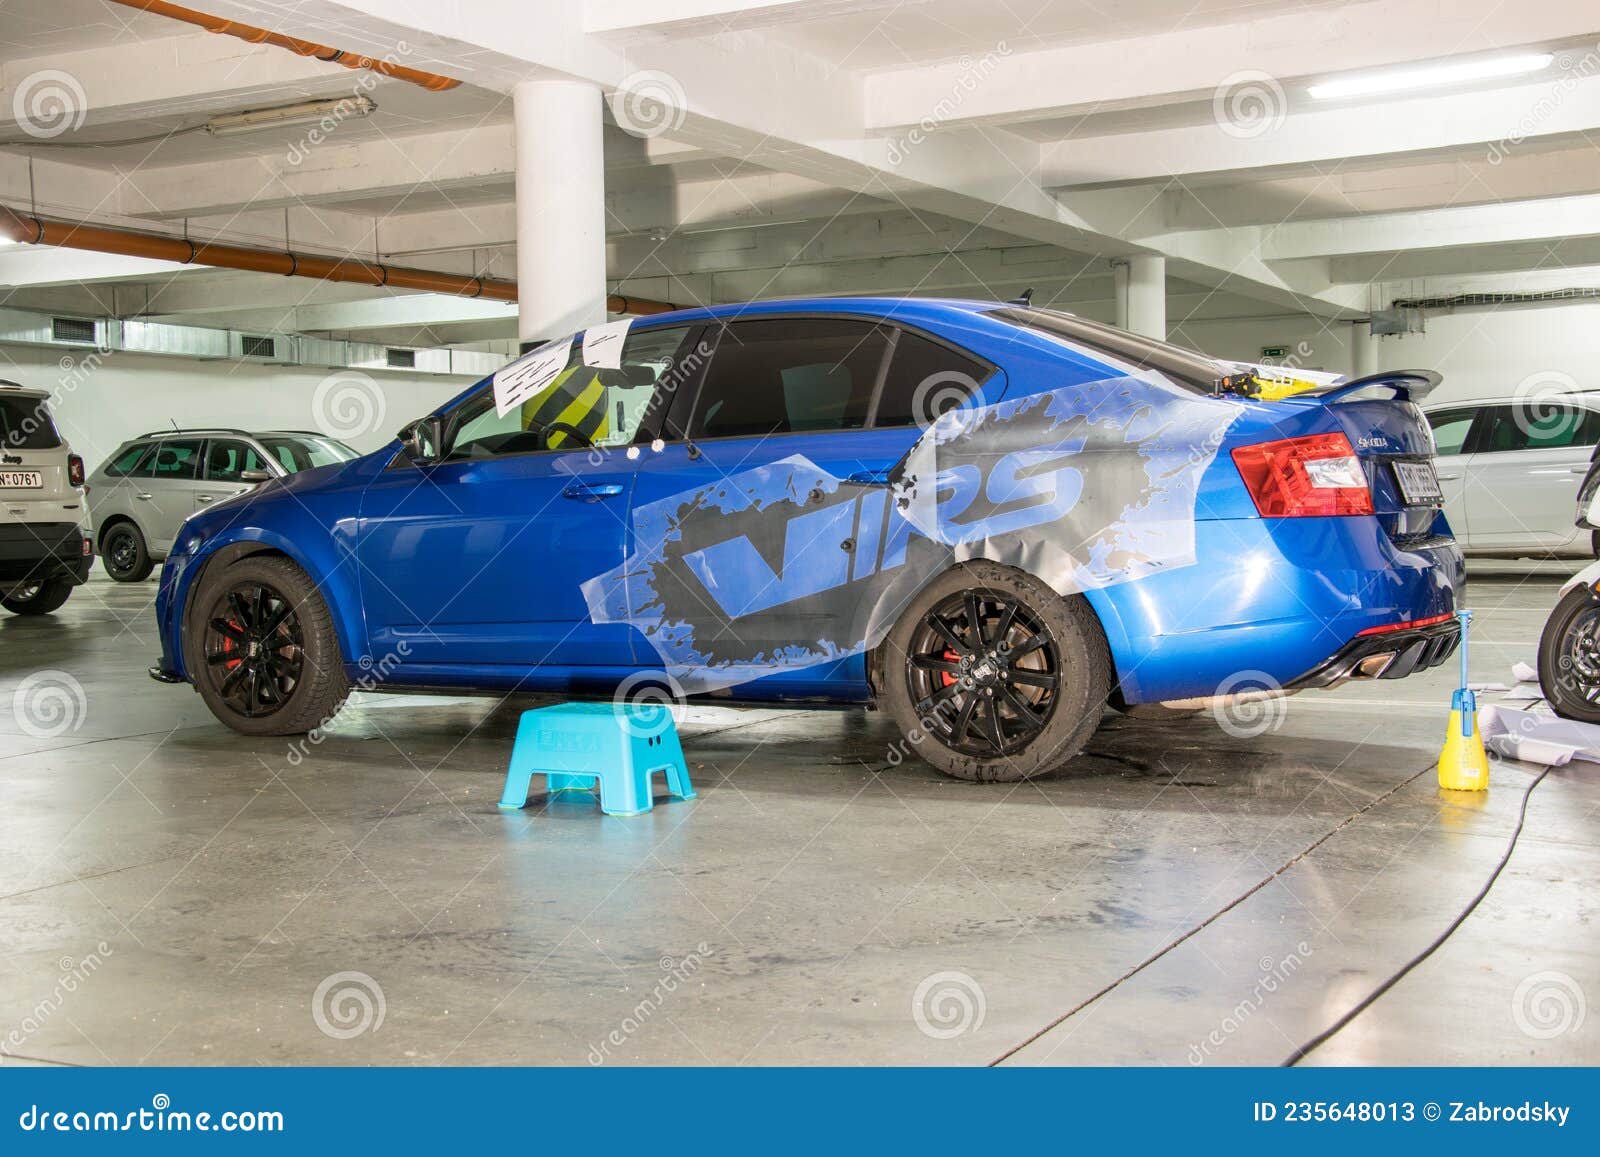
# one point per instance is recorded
(1463, 764)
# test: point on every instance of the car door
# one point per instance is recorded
(781, 398)
(227, 461)
(1452, 430)
(1522, 478)
(478, 560)
(165, 486)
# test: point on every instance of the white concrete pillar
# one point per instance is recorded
(1142, 295)
(561, 211)
(1363, 350)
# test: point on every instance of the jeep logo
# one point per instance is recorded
(10, 460)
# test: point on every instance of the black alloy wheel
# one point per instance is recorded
(984, 673)
(254, 649)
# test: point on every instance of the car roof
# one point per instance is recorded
(907, 309)
(228, 431)
(1588, 395)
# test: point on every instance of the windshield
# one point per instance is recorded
(302, 451)
(1198, 372)
(25, 424)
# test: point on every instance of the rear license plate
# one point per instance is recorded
(1419, 485)
(21, 480)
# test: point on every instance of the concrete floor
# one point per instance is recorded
(172, 893)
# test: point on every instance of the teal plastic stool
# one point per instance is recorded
(615, 747)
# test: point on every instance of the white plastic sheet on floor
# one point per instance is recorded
(1522, 725)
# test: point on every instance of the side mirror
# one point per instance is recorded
(420, 441)
(254, 476)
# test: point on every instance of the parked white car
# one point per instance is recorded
(44, 536)
(1510, 470)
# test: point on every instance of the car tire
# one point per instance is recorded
(1018, 701)
(124, 553)
(1569, 656)
(261, 647)
(38, 598)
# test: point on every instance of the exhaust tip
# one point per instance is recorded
(1373, 666)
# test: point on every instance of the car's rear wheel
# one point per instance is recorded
(262, 648)
(1569, 656)
(994, 677)
(124, 553)
(38, 598)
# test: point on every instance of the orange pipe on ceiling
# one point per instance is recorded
(431, 81)
(126, 242)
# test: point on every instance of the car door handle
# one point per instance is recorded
(1579, 470)
(144, 497)
(1448, 477)
(205, 497)
(870, 477)
(588, 492)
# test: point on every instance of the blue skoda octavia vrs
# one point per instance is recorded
(992, 520)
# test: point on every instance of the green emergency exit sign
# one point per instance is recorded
(1272, 352)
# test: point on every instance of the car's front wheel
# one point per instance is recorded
(125, 555)
(1569, 656)
(994, 677)
(37, 598)
(262, 649)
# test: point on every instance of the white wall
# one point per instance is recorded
(1480, 352)
(102, 400)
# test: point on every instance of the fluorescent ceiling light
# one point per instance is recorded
(304, 113)
(1432, 76)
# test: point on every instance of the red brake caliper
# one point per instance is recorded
(949, 656)
(228, 645)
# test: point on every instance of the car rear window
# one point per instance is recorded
(1192, 370)
(25, 424)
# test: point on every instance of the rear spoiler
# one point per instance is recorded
(1408, 385)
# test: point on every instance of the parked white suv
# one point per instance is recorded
(149, 485)
(45, 547)
(1510, 470)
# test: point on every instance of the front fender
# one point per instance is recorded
(309, 546)
(1587, 577)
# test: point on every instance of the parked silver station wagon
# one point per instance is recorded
(139, 498)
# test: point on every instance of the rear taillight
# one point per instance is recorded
(1305, 477)
(74, 470)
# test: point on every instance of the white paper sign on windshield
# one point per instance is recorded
(529, 374)
(602, 344)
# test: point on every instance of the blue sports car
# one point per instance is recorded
(991, 519)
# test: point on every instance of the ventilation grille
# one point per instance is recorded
(401, 359)
(72, 329)
(257, 347)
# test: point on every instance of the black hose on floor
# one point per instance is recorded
(1327, 1034)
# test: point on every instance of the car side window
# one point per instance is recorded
(925, 379)
(584, 406)
(175, 461)
(1450, 429)
(789, 375)
(228, 459)
(127, 462)
(1542, 425)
